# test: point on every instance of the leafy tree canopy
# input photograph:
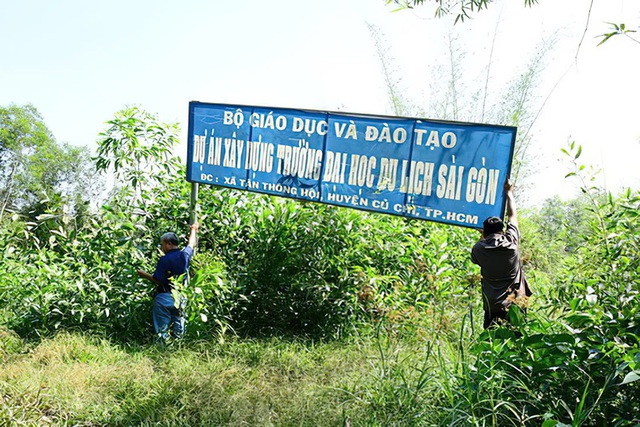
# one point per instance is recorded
(21, 128)
(34, 168)
(463, 8)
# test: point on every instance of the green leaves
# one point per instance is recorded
(465, 8)
(631, 377)
(138, 148)
(581, 362)
(37, 174)
(618, 29)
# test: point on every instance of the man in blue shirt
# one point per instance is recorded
(174, 263)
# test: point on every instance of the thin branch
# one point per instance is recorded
(9, 189)
(584, 33)
(553, 89)
(454, 78)
(486, 82)
(632, 39)
(391, 84)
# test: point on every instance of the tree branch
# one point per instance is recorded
(584, 33)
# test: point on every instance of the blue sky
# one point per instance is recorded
(79, 62)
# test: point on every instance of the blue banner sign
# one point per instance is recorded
(439, 171)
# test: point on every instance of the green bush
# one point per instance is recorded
(576, 359)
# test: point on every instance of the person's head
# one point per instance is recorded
(491, 225)
(168, 241)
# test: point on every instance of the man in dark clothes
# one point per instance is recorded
(498, 257)
(174, 263)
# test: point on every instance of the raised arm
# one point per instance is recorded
(193, 236)
(512, 215)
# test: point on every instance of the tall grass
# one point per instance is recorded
(378, 379)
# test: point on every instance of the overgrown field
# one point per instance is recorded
(301, 313)
(375, 380)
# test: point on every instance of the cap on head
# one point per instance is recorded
(491, 225)
(170, 238)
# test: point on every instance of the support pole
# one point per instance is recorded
(193, 208)
(193, 215)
